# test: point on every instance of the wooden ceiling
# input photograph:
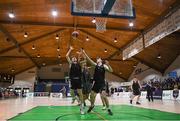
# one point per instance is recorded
(34, 17)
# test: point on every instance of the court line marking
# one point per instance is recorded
(99, 115)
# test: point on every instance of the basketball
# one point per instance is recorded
(75, 34)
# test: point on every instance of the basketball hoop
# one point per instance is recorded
(101, 24)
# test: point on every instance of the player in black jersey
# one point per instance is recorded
(99, 81)
(75, 78)
(86, 82)
(136, 90)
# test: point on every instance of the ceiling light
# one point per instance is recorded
(120, 73)
(59, 56)
(25, 34)
(60, 64)
(54, 13)
(43, 64)
(87, 38)
(134, 66)
(105, 50)
(12, 70)
(57, 36)
(33, 47)
(58, 49)
(115, 40)
(94, 20)
(11, 15)
(38, 56)
(131, 24)
(159, 56)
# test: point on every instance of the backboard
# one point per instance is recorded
(103, 8)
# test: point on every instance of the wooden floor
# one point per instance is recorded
(11, 107)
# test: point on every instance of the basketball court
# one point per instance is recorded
(40, 40)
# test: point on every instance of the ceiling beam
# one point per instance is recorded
(114, 54)
(120, 50)
(148, 64)
(7, 34)
(23, 70)
(68, 25)
(177, 55)
(31, 40)
(99, 39)
(119, 76)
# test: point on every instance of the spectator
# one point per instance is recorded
(175, 92)
(150, 89)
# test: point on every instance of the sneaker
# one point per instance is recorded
(90, 109)
(110, 112)
(104, 108)
(138, 103)
(73, 100)
(130, 101)
(82, 111)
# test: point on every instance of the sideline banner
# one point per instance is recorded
(56, 95)
(165, 95)
(30, 94)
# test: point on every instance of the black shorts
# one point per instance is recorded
(76, 84)
(98, 88)
(86, 89)
(136, 92)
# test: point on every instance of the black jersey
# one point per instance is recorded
(135, 86)
(75, 71)
(99, 74)
(149, 88)
(86, 77)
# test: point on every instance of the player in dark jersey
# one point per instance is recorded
(135, 90)
(75, 78)
(99, 81)
(149, 87)
(86, 82)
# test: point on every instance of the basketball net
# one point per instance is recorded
(101, 24)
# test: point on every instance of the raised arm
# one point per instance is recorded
(67, 55)
(79, 58)
(108, 67)
(139, 84)
(84, 58)
(89, 59)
